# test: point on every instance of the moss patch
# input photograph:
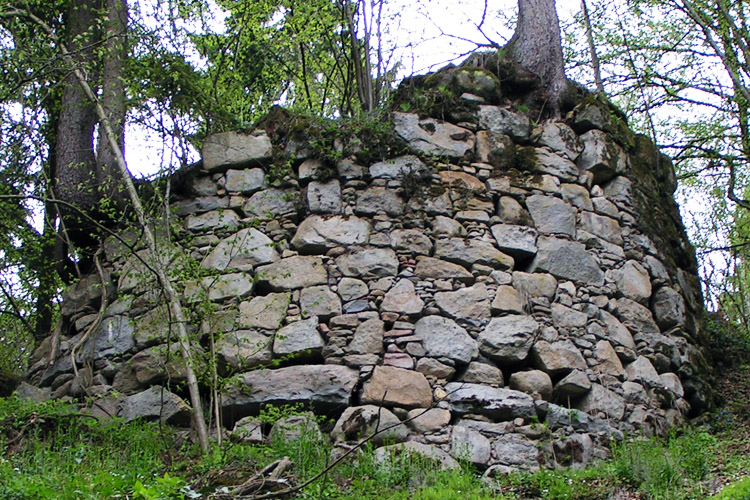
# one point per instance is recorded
(514, 158)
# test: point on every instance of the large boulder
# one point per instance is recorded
(567, 260)
(368, 263)
(434, 137)
(443, 338)
(242, 251)
(156, 403)
(292, 273)
(508, 339)
(392, 386)
(316, 233)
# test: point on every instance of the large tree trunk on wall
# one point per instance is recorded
(75, 179)
(85, 175)
(113, 100)
(536, 46)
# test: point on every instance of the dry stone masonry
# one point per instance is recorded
(490, 288)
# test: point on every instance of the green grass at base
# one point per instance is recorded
(62, 455)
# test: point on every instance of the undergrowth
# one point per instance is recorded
(50, 451)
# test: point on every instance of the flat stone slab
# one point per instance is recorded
(235, 149)
(443, 338)
(517, 241)
(368, 263)
(215, 219)
(397, 167)
(270, 202)
(468, 252)
(496, 403)
(216, 288)
(432, 268)
(325, 387)
(433, 137)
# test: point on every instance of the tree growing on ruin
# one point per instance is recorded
(537, 47)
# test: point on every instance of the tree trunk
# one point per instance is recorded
(85, 178)
(536, 46)
(109, 179)
(596, 68)
(75, 180)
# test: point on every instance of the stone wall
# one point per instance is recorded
(502, 273)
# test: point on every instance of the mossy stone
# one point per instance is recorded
(477, 81)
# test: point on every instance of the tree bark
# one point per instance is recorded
(536, 46)
(108, 177)
(75, 181)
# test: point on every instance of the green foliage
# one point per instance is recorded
(162, 488)
(666, 469)
(63, 455)
(49, 451)
(739, 490)
(595, 482)
(729, 339)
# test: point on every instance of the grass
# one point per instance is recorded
(50, 451)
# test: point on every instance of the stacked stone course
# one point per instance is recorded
(493, 285)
